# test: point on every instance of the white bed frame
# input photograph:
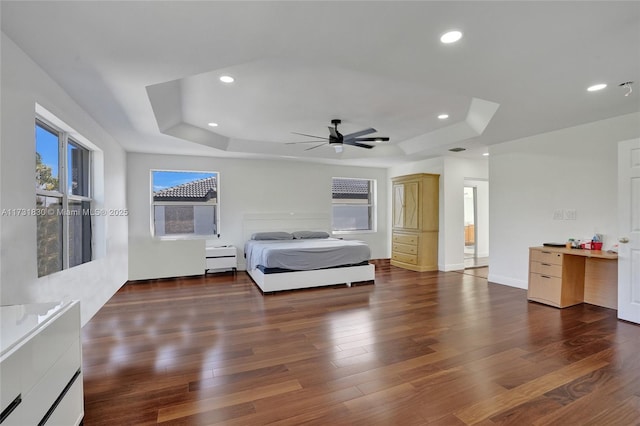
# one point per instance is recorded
(291, 222)
(315, 278)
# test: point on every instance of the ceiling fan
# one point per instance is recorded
(337, 139)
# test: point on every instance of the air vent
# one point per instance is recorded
(457, 149)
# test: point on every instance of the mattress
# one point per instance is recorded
(305, 255)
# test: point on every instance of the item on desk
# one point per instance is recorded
(553, 244)
(596, 245)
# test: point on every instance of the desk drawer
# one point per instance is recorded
(545, 288)
(546, 269)
(544, 256)
(405, 248)
(405, 239)
(405, 258)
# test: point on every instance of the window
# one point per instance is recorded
(185, 203)
(63, 200)
(353, 203)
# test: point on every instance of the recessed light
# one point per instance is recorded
(596, 87)
(213, 124)
(451, 37)
(443, 116)
(227, 79)
(486, 154)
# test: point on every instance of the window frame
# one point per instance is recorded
(66, 137)
(189, 236)
(372, 203)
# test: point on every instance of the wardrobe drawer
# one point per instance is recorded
(405, 239)
(405, 248)
(405, 258)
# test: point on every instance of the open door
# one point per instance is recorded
(629, 229)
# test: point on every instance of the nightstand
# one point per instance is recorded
(221, 257)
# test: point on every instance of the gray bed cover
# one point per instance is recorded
(305, 255)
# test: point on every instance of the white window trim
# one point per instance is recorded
(65, 134)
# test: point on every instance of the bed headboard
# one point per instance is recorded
(284, 221)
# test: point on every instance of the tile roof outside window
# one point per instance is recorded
(350, 189)
(198, 190)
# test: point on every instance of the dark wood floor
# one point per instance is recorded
(413, 349)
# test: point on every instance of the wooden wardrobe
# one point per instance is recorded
(415, 222)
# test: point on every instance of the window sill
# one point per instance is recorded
(185, 237)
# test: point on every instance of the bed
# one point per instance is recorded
(279, 260)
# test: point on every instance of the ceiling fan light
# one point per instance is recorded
(596, 87)
(338, 149)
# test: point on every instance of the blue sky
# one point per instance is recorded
(47, 146)
(162, 179)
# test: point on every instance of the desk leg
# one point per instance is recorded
(601, 282)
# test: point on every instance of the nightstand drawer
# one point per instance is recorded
(224, 251)
(221, 257)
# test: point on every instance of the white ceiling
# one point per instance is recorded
(148, 71)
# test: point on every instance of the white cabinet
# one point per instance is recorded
(221, 257)
(40, 364)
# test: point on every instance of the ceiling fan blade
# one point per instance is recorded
(360, 133)
(294, 143)
(314, 147)
(374, 139)
(311, 136)
(359, 145)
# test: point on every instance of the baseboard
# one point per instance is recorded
(451, 267)
(508, 281)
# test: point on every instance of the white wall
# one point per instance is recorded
(246, 187)
(453, 173)
(530, 178)
(23, 85)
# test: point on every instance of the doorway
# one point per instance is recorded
(476, 212)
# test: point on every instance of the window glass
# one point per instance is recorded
(47, 159)
(351, 218)
(78, 169)
(79, 232)
(185, 203)
(353, 206)
(49, 234)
